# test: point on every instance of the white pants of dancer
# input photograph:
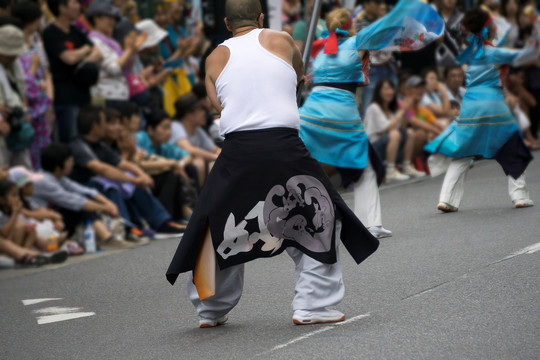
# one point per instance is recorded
(367, 203)
(452, 188)
(318, 285)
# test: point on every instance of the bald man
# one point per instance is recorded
(265, 193)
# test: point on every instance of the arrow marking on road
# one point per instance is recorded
(308, 335)
(56, 313)
(37, 301)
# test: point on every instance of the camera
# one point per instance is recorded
(16, 119)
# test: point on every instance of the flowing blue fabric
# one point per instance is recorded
(485, 123)
(411, 25)
(330, 124)
(475, 50)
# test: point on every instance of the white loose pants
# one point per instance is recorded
(318, 285)
(367, 203)
(452, 188)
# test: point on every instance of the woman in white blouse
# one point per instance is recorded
(112, 85)
(386, 128)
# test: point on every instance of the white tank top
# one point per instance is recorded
(257, 89)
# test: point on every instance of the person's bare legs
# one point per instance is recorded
(420, 138)
(201, 166)
(101, 230)
(392, 148)
(15, 251)
(408, 149)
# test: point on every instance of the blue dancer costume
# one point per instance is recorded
(330, 124)
(485, 127)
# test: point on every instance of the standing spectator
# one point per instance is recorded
(13, 119)
(386, 128)
(5, 7)
(447, 50)
(38, 81)
(510, 11)
(112, 85)
(382, 63)
(72, 58)
(300, 28)
(453, 78)
(187, 133)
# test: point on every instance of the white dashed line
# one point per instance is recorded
(308, 335)
(37, 301)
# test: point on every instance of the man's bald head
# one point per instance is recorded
(242, 12)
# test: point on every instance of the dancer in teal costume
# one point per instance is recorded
(485, 127)
(330, 124)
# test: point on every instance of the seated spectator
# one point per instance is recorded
(38, 81)
(423, 122)
(48, 223)
(453, 79)
(187, 133)
(455, 109)
(167, 169)
(386, 129)
(73, 61)
(124, 183)
(16, 131)
(435, 98)
(172, 188)
(76, 203)
(112, 85)
(22, 234)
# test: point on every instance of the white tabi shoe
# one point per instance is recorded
(523, 203)
(208, 323)
(444, 207)
(379, 232)
(321, 316)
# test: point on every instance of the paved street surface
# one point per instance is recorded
(446, 286)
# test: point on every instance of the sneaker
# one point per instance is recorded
(444, 207)
(523, 203)
(208, 323)
(170, 230)
(379, 232)
(412, 172)
(56, 257)
(116, 242)
(395, 175)
(137, 240)
(322, 316)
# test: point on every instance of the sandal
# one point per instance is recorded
(29, 261)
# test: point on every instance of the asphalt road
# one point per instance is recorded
(446, 286)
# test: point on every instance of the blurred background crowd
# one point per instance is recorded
(105, 122)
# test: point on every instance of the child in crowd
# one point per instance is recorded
(27, 247)
(76, 203)
(48, 223)
(421, 119)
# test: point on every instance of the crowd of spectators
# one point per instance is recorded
(104, 118)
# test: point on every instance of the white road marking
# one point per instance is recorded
(62, 317)
(37, 301)
(308, 335)
(525, 251)
(56, 313)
